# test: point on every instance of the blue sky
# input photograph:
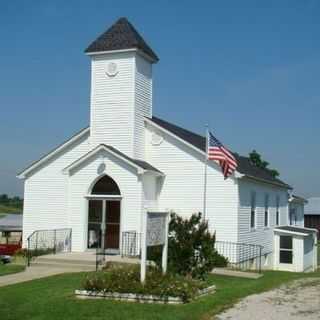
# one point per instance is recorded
(251, 69)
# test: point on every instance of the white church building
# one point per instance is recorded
(100, 182)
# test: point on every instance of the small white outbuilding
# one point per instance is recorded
(295, 249)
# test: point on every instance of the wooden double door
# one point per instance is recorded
(104, 224)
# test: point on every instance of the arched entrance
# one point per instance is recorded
(104, 215)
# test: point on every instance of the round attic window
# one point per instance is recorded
(112, 69)
(156, 139)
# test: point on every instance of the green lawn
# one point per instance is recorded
(9, 209)
(53, 298)
(10, 268)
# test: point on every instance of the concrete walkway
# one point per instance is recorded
(49, 265)
(31, 274)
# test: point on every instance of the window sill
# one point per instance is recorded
(253, 229)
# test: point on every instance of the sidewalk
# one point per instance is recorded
(31, 274)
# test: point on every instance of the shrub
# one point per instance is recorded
(22, 252)
(191, 249)
(126, 279)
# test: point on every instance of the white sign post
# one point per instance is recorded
(155, 233)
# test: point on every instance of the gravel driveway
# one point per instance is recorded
(297, 300)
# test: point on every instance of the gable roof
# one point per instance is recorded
(120, 36)
(22, 174)
(245, 166)
(313, 206)
(296, 198)
(139, 164)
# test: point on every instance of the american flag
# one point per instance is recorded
(217, 152)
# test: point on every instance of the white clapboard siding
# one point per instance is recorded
(143, 103)
(112, 101)
(299, 213)
(119, 103)
(260, 234)
(150, 191)
(182, 188)
(46, 191)
(81, 181)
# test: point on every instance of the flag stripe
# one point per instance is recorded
(217, 152)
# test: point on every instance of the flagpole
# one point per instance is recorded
(205, 178)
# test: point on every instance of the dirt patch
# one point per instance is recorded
(295, 301)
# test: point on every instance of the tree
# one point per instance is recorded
(257, 160)
(191, 247)
(4, 198)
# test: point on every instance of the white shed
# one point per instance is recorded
(295, 249)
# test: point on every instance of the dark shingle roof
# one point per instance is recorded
(299, 199)
(244, 165)
(140, 163)
(121, 35)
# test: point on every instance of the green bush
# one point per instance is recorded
(191, 249)
(126, 279)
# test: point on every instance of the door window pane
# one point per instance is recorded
(94, 223)
(95, 211)
(94, 235)
(113, 212)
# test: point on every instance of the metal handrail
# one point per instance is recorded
(41, 242)
(241, 255)
(43, 230)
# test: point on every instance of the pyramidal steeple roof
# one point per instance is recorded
(120, 36)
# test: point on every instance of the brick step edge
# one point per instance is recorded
(141, 298)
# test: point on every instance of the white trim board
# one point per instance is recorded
(48, 156)
(105, 148)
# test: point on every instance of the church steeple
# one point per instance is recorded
(121, 36)
(121, 88)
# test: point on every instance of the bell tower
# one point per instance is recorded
(121, 88)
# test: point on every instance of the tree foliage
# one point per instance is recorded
(14, 201)
(191, 247)
(257, 160)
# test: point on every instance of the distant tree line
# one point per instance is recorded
(16, 202)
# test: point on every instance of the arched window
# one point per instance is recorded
(106, 185)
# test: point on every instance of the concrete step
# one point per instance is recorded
(67, 266)
(53, 259)
(236, 273)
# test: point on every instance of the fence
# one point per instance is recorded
(241, 256)
(42, 242)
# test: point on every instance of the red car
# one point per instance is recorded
(9, 249)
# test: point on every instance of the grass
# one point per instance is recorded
(53, 298)
(10, 268)
(9, 209)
